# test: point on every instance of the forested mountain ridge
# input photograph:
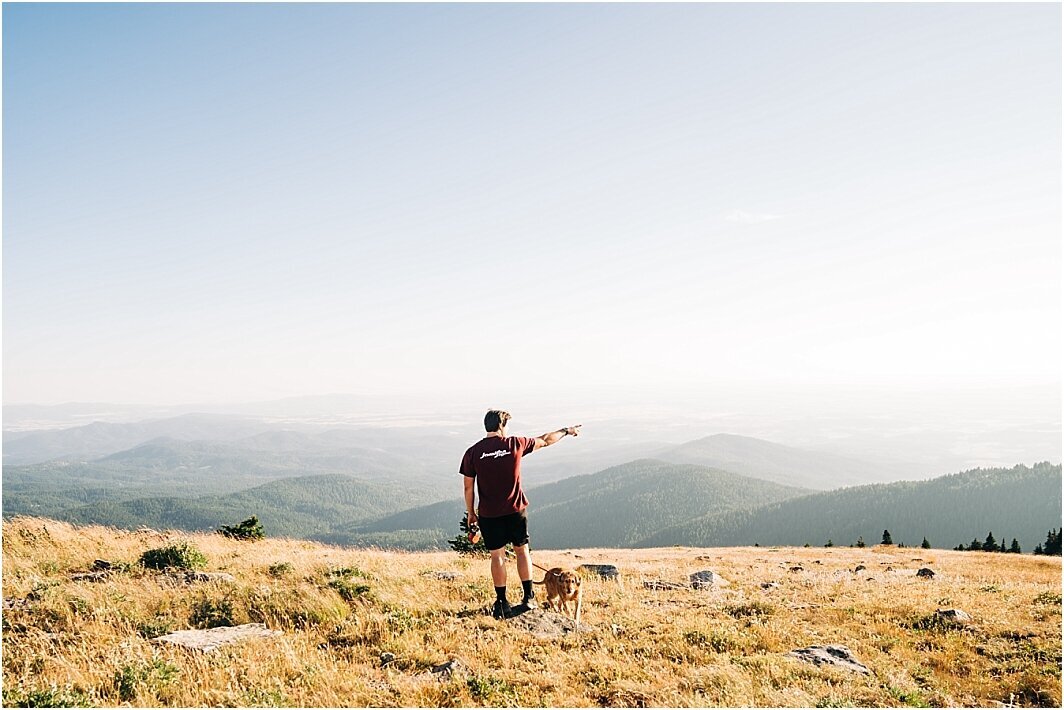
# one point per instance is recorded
(303, 507)
(1019, 502)
(612, 508)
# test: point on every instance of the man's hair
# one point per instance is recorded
(495, 419)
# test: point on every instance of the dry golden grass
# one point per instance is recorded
(87, 643)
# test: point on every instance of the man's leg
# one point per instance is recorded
(524, 562)
(524, 570)
(498, 567)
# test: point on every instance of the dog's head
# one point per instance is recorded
(570, 583)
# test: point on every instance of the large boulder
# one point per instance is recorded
(602, 571)
(546, 624)
(954, 617)
(707, 579)
(925, 572)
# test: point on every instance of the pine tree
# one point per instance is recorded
(1052, 546)
(830, 543)
(886, 538)
(462, 545)
(959, 548)
(1038, 549)
(990, 544)
(1015, 546)
(925, 544)
(860, 541)
(975, 545)
(1003, 547)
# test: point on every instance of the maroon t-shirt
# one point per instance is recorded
(495, 463)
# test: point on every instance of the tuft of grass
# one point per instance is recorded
(756, 609)
(1048, 599)
(53, 696)
(129, 678)
(492, 691)
(183, 556)
(280, 569)
(349, 591)
(209, 613)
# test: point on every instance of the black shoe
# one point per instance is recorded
(502, 609)
(530, 603)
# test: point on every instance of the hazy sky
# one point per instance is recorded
(218, 203)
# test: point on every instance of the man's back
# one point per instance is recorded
(495, 462)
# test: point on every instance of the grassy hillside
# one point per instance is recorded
(786, 465)
(1021, 502)
(82, 643)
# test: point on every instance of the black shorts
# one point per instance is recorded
(512, 528)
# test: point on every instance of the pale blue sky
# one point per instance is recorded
(222, 203)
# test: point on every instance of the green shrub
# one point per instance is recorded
(250, 529)
(208, 613)
(754, 608)
(348, 590)
(180, 556)
(131, 676)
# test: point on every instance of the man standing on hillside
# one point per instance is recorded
(494, 463)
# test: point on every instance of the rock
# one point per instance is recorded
(889, 569)
(90, 577)
(925, 572)
(707, 580)
(11, 603)
(212, 639)
(543, 624)
(616, 630)
(387, 658)
(444, 575)
(658, 584)
(770, 585)
(102, 565)
(955, 617)
(191, 577)
(836, 656)
(601, 571)
(797, 568)
(858, 568)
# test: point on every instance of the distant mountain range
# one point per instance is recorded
(786, 465)
(399, 486)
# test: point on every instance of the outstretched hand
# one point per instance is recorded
(573, 430)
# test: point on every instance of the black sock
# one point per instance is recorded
(500, 593)
(527, 586)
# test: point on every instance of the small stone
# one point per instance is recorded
(659, 584)
(387, 658)
(451, 668)
(601, 571)
(616, 630)
(90, 577)
(957, 617)
(858, 568)
(445, 575)
(191, 577)
(925, 572)
(770, 585)
(707, 579)
(797, 568)
(831, 655)
(101, 565)
(889, 569)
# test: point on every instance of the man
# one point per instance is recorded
(494, 463)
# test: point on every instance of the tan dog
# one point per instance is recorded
(563, 586)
